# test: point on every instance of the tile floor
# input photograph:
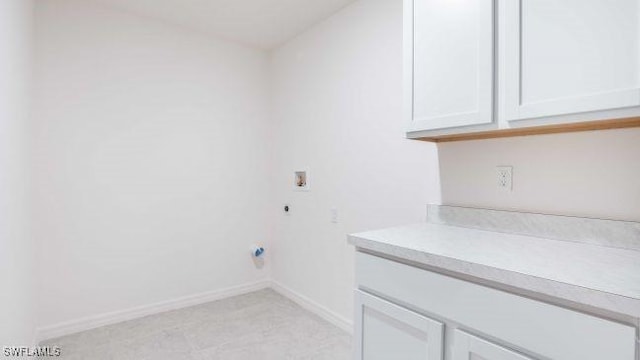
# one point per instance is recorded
(258, 326)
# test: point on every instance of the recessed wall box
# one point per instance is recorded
(301, 180)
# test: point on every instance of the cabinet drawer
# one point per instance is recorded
(542, 329)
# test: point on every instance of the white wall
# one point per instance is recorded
(151, 160)
(337, 110)
(17, 320)
(592, 174)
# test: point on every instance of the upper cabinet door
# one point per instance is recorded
(469, 347)
(449, 63)
(562, 57)
(387, 331)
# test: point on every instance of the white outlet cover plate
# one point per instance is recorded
(334, 215)
(504, 178)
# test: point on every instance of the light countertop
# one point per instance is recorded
(597, 276)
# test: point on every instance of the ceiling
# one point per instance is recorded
(260, 23)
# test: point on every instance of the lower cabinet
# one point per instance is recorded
(386, 331)
(468, 347)
(404, 312)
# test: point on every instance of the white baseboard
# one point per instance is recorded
(92, 322)
(308, 304)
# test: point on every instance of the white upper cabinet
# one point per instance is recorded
(477, 66)
(561, 57)
(449, 63)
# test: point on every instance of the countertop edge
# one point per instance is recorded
(592, 298)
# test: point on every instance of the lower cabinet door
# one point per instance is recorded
(385, 331)
(469, 347)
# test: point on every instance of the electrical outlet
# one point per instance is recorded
(505, 177)
(334, 215)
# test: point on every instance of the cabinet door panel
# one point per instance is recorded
(452, 62)
(552, 332)
(569, 56)
(469, 347)
(386, 331)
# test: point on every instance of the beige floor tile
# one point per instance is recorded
(259, 326)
